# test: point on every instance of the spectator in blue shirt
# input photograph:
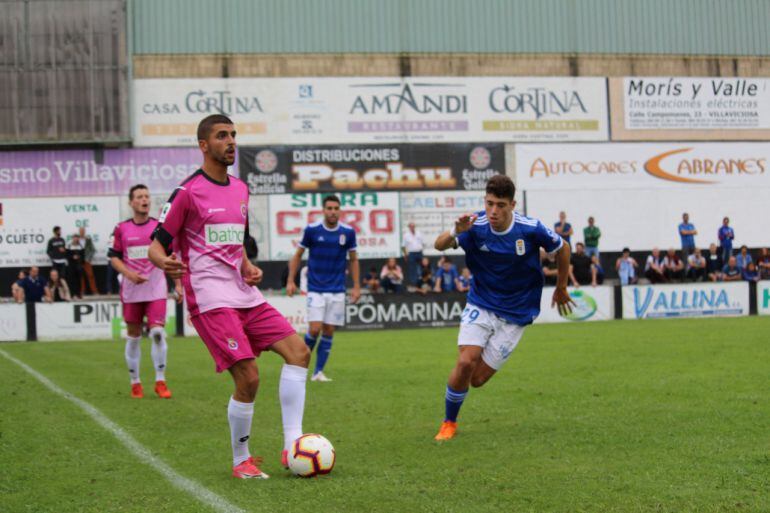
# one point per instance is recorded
(750, 272)
(743, 258)
(687, 233)
(446, 276)
(563, 228)
(726, 236)
(34, 286)
(464, 280)
(731, 271)
(626, 266)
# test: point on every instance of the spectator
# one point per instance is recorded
(34, 286)
(731, 272)
(57, 289)
(412, 249)
(726, 236)
(446, 276)
(591, 235)
(673, 267)
(426, 282)
(57, 250)
(88, 255)
(598, 271)
(750, 272)
(653, 268)
(17, 291)
(687, 233)
(563, 228)
(714, 264)
(464, 280)
(581, 269)
(391, 276)
(372, 280)
(763, 264)
(548, 262)
(743, 258)
(626, 266)
(75, 256)
(696, 266)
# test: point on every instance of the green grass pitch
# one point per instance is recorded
(631, 416)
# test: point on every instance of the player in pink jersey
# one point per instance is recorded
(143, 290)
(207, 218)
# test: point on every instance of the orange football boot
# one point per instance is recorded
(162, 390)
(137, 392)
(249, 470)
(447, 431)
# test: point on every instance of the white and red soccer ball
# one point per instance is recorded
(311, 455)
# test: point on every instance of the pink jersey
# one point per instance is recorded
(130, 242)
(207, 222)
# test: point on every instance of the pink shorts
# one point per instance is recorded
(234, 334)
(155, 311)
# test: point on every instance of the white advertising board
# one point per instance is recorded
(591, 304)
(13, 322)
(293, 308)
(686, 300)
(374, 216)
(26, 224)
(763, 297)
(313, 110)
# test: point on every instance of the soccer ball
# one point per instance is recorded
(311, 455)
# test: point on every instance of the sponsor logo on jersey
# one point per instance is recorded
(224, 234)
(164, 212)
(137, 252)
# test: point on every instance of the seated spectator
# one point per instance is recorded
(391, 276)
(464, 280)
(750, 272)
(731, 272)
(372, 280)
(17, 292)
(596, 271)
(763, 264)
(424, 270)
(34, 286)
(57, 289)
(673, 267)
(696, 266)
(548, 262)
(626, 266)
(581, 269)
(743, 258)
(653, 268)
(445, 277)
(714, 264)
(426, 282)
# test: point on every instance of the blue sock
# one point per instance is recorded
(310, 340)
(324, 348)
(454, 399)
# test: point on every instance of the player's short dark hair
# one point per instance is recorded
(331, 197)
(207, 123)
(136, 188)
(57, 229)
(501, 186)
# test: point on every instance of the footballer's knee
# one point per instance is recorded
(466, 366)
(327, 330)
(298, 353)
(479, 381)
(246, 377)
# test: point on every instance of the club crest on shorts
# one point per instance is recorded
(244, 210)
(342, 239)
(520, 249)
(232, 344)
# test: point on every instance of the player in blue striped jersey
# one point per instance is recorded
(502, 251)
(329, 243)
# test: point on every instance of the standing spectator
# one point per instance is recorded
(372, 280)
(696, 266)
(391, 276)
(763, 264)
(626, 266)
(731, 272)
(726, 236)
(75, 256)
(743, 258)
(591, 236)
(598, 271)
(687, 233)
(581, 269)
(464, 280)
(412, 248)
(714, 264)
(57, 289)
(673, 267)
(446, 276)
(750, 272)
(89, 250)
(57, 250)
(653, 268)
(17, 291)
(34, 286)
(563, 228)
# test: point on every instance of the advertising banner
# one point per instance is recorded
(374, 216)
(13, 322)
(686, 300)
(690, 108)
(591, 304)
(80, 320)
(92, 173)
(293, 308)
(763, 297)
(398, 311)
(311, 110)
(282, 169)
(26, 225)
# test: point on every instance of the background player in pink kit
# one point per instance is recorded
(207, 218)
(143, 290)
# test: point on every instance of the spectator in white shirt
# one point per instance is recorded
(412, 248)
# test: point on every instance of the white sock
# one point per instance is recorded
(239, 415)
(159, 350)
(133, 356)
(291, 391)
